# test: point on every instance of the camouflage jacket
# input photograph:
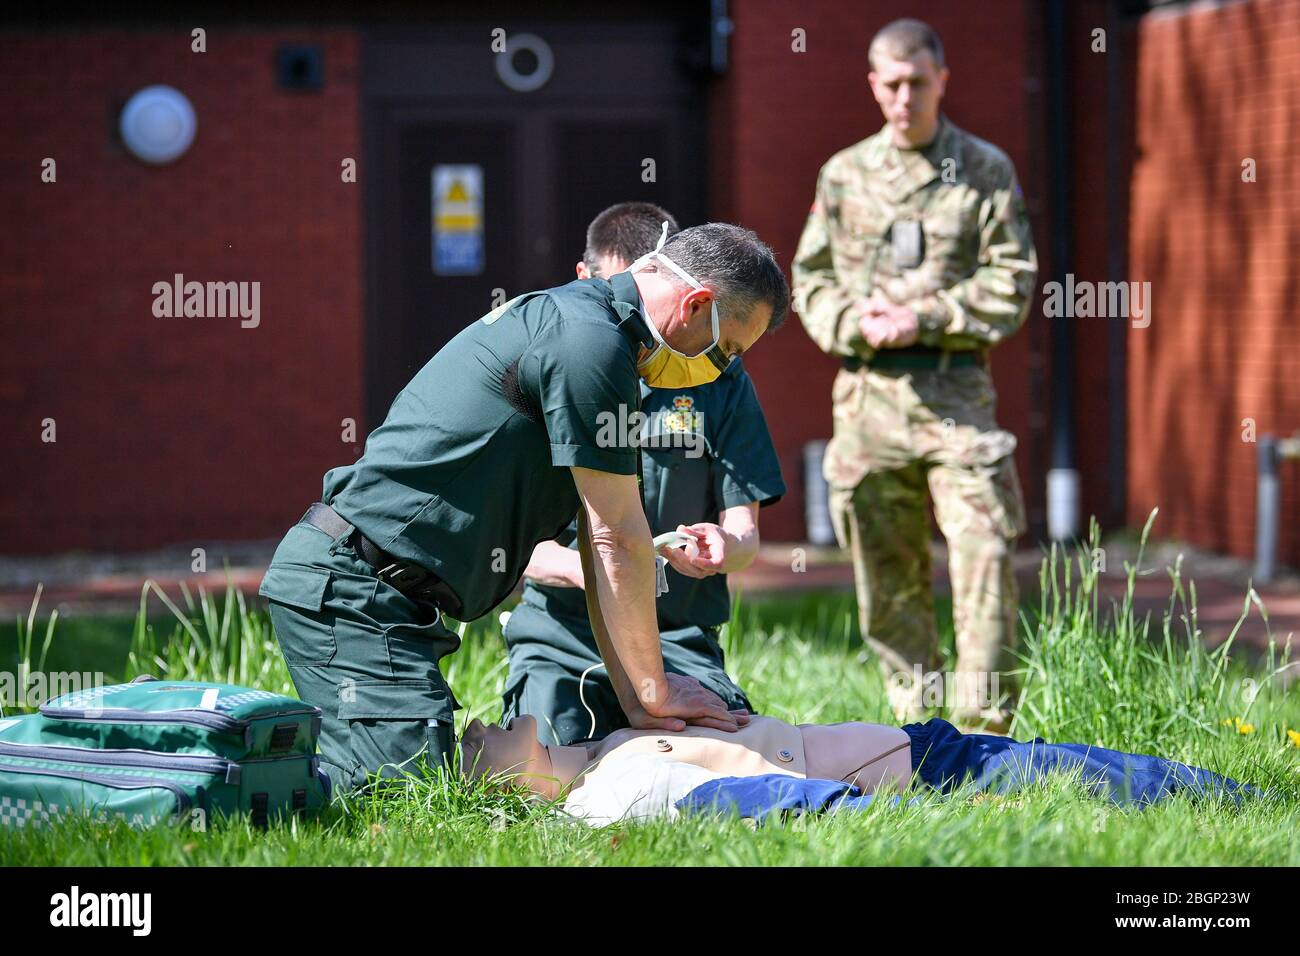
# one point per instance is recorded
(977, 266)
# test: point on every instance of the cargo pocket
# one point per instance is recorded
(1006, 491)
(297, 596)
(846, 388)
(995, 491)
(512, 698)
(416, 648)
(392, 723)
(978, 500)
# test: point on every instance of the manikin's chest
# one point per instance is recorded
(765, 745)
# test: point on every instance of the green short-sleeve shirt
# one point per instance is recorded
(706, 449)
(470, 469)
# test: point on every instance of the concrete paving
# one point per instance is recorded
(100, 584)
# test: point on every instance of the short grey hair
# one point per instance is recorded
(739, 268)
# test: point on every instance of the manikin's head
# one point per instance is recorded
(908, 78)
(513, 750)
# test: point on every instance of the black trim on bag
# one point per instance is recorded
(258, 808)
(192, 716)
(283, 736)
(187, 763)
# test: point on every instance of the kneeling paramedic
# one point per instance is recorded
(494, 445)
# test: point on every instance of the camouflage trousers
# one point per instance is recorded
(904, 441)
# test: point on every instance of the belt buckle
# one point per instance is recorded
(402, 575)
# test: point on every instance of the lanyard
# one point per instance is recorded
(633, 323)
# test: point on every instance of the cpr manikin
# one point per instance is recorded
(642, 774)
(873, 757)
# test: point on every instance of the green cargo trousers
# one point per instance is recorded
(365, 654)
(550, 653)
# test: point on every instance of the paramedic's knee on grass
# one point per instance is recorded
(386, 720)
(395, 727)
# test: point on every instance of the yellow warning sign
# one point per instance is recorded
(457, 219)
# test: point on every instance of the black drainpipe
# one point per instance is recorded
(1063, 477)
(1117, 205)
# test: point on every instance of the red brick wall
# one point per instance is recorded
(173, 430)
(1215, 86)
(778, 115)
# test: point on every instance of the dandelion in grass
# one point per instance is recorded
(1241, 725)
(1294, 737)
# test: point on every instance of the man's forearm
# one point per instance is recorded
(829, 311)
(740, 524)
(554, 565)
(631, 653)
(831, 315)
(742, 548)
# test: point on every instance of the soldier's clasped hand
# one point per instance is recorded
(886, 325)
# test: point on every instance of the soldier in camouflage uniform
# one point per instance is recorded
(916, 259)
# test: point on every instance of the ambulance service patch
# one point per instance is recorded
(683, 417)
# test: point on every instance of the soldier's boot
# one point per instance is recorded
(884, 523)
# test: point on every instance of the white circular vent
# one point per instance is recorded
(526, 64)
(158, 124)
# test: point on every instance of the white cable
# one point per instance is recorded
(675, 539)
(582, 697)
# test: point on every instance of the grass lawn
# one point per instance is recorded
(1091, 673)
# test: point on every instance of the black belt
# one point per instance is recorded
(916, 356)
(411, 579)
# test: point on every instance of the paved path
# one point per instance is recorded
(84, 585)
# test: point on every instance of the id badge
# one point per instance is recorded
(908, 242)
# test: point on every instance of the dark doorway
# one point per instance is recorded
(534, 165)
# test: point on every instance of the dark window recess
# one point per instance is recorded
(299, 68)
(259, 807)
(299, 801)
(283, 736)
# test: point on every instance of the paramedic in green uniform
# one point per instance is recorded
(516, 425)
(709, 465)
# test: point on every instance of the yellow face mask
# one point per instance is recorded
(665, 367)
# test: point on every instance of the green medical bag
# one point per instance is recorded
(154, 750)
